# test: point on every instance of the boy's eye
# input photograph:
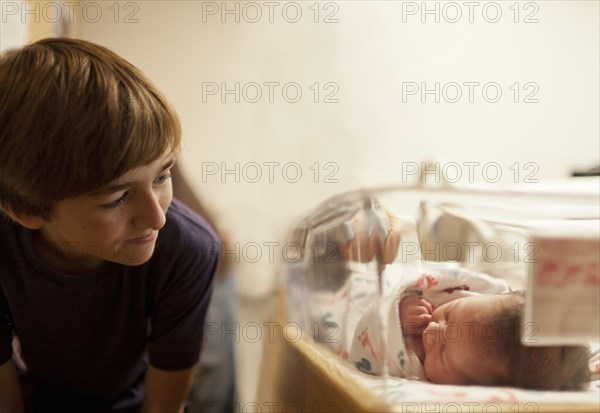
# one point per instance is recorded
(163, 178)
(117, 202)
(158, 181)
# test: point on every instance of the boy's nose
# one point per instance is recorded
(150, 214)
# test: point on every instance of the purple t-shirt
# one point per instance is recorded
(86, 339)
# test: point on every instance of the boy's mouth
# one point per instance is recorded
(143, 239)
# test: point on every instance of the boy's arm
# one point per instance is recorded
(11, 399)
(166, 391)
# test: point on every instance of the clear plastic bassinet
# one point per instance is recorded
(353, 250)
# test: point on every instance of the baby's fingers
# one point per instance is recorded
(424, 303)
(422, 319)
(416, 324)
(419, 310)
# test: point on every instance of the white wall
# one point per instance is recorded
(13, 28)
(370, 133)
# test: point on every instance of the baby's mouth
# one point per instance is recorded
(427, 338)
(419, 349)
(425, 345)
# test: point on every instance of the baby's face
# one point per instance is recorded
(455, 339)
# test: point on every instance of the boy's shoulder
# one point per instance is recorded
(185, 230)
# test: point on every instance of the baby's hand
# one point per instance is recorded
(415, 314)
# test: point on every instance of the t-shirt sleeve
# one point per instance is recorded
(180, 308)
(5, 332)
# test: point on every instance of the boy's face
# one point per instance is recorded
(456, 339)
(118, 222)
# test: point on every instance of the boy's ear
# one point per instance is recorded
(32, 222)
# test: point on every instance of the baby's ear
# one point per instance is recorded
(32, 222)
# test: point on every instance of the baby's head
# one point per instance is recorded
(476, 340)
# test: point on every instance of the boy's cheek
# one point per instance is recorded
(166, 201)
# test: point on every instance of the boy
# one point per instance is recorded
(105, 279)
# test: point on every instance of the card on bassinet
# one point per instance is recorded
(563, 294)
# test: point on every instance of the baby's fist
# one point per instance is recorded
(415, 314)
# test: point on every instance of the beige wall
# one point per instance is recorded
(27, 21)
(13, 28)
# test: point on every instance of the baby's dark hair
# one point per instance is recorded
(537, 367)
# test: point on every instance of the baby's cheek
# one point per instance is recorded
(428, 369)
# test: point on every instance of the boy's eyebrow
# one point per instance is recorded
(168, 165)
(109, 189)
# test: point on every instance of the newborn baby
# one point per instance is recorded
(450, 325)
(459, 342)
(476, 340)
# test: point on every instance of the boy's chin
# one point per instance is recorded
(135, 257)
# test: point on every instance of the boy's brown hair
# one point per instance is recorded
(73, 117)
(537, 367)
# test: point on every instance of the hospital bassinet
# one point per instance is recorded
(513, 235)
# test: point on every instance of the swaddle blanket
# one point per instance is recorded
(363, 326)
